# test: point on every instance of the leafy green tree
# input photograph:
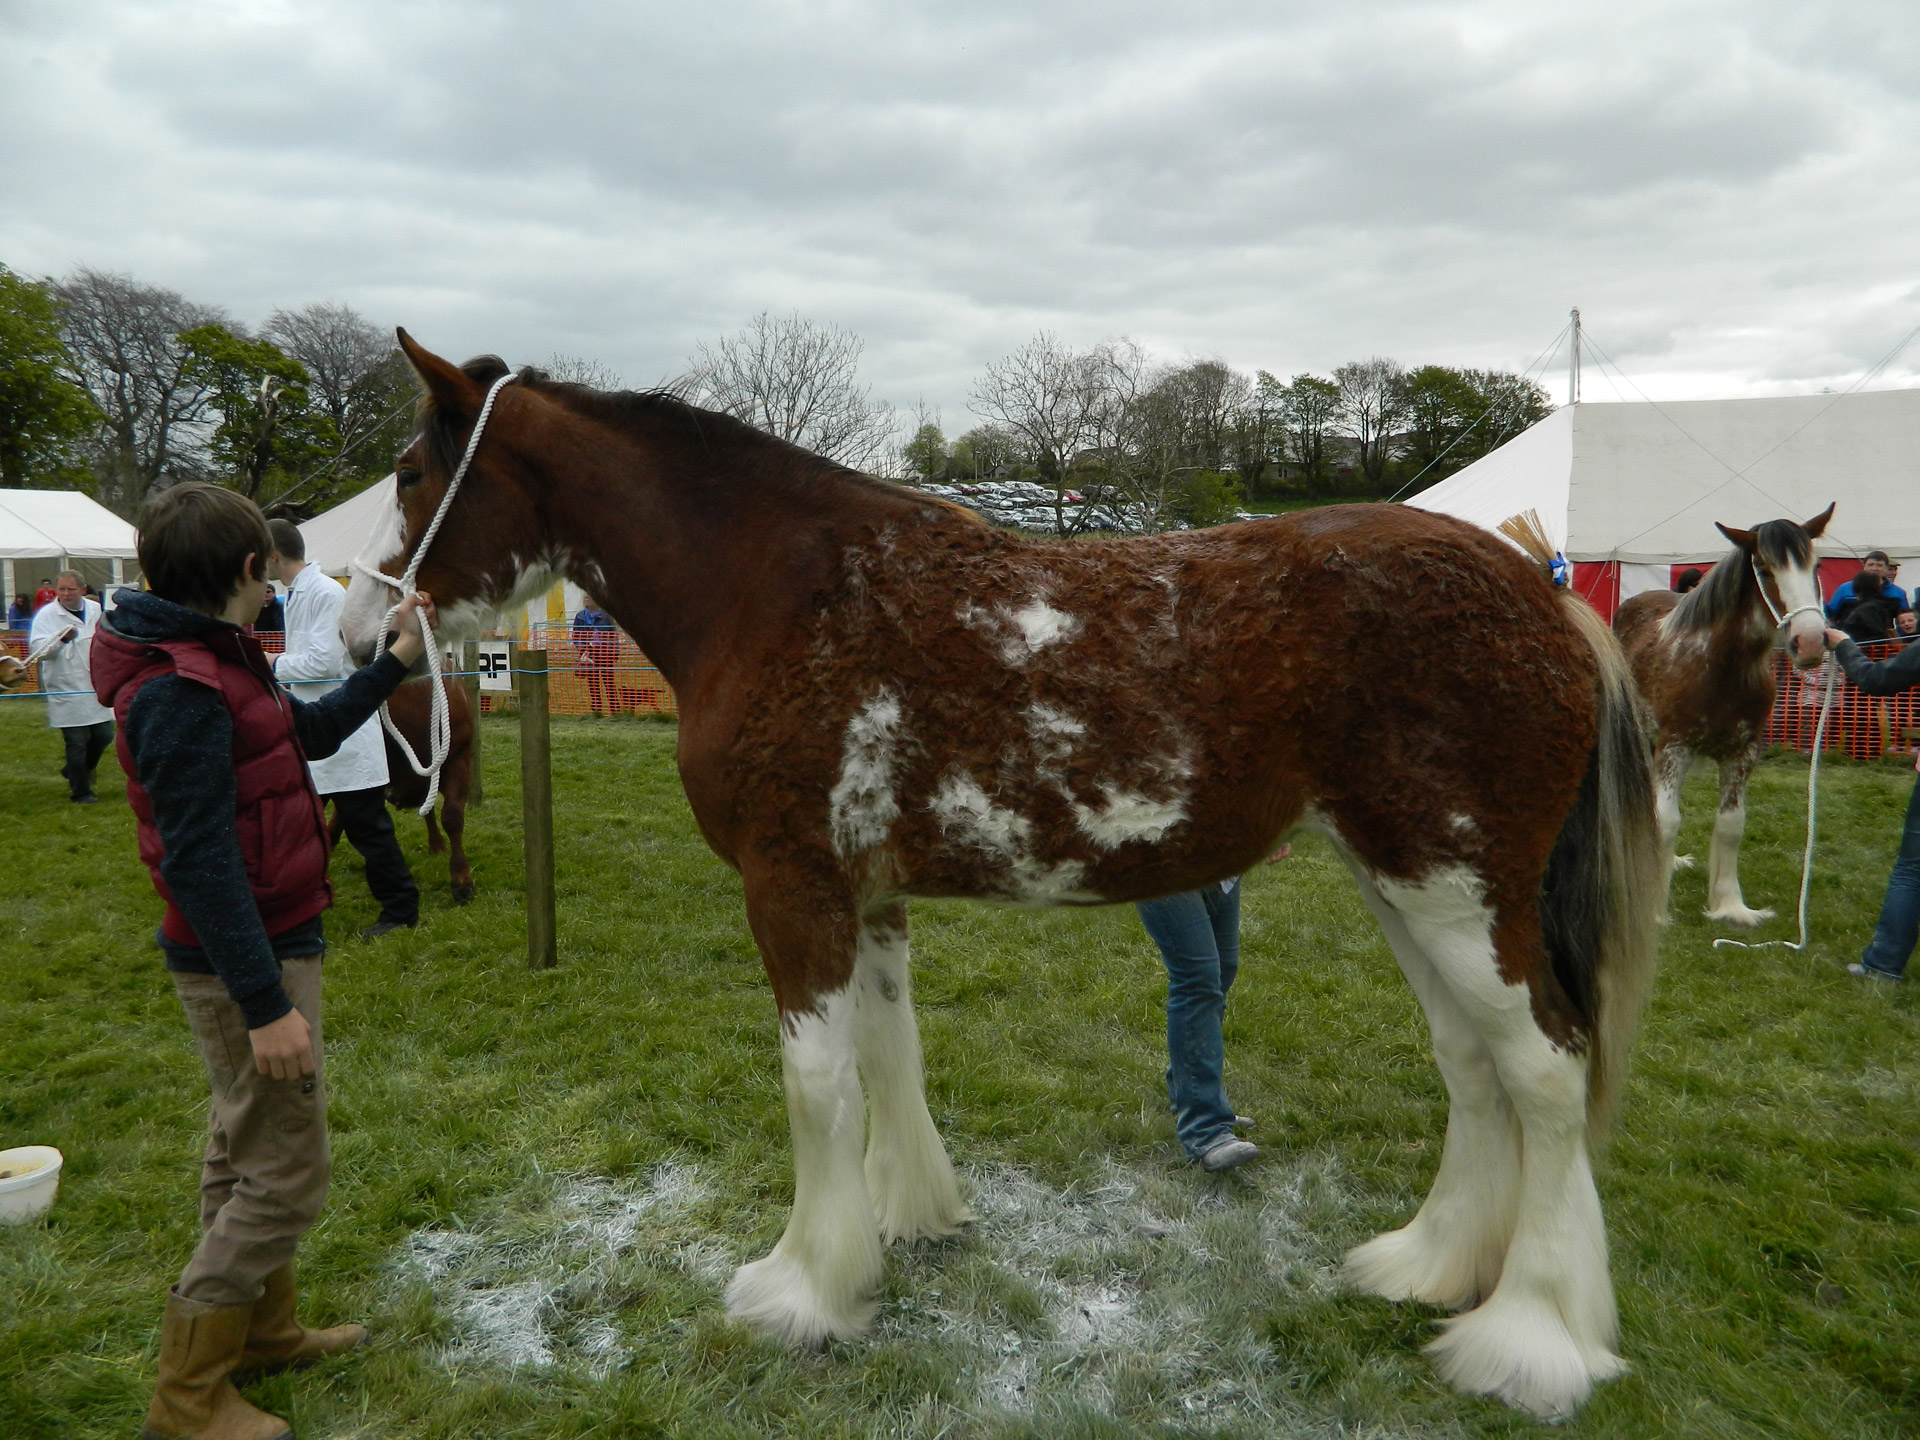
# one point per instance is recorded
(983, 453)
(268, 427)
(1457, 416)
(1309, 408)
(1206, 497)
(926, 453)
(43, 414)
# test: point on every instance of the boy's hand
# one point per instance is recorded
(408, 646)
(284, 1049)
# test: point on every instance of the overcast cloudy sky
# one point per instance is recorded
(1729, 191)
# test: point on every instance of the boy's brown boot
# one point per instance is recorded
(199, 1346)
(277, 1341)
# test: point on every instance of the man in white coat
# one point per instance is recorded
(355, 777)
(62, 636)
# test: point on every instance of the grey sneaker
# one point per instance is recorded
(1867, 972)
(1226, 1153)
(1245, 1122)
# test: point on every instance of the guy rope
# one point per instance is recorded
(440, 725)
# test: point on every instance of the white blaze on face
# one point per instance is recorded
(368, 600)
(1806, 630)
(861, 807)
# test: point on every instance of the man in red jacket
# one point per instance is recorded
(233, 833)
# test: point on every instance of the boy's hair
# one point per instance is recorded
(288, 542)
(193, 540)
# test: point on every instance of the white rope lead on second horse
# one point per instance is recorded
(1830, 682)
(440, 725)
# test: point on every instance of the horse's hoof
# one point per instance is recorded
(1739, 916)
(777, 1297)
(1523, 1355)
(463, 893)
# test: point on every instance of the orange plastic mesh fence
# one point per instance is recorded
(1861, 726)
(609, 676)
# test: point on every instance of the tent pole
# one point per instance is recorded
(6, 580)
(1573, 361)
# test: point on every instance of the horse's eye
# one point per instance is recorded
(406, 477)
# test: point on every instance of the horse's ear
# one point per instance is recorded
(1817, 526)
(454, 393)
(1743, 538)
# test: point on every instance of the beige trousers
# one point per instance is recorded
(265, 1173)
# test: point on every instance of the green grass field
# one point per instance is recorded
(542, 1181)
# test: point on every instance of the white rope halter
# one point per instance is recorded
(1767, 600)
(440, 725)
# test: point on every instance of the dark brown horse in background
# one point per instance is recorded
(410, 707)
(882, 697)
(1704, 662)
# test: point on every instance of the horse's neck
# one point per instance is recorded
(673, 553)
(1742, 640)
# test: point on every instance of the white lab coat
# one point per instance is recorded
(66, 667)
(316, 653)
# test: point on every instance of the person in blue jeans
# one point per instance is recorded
(1198, 932)
(1886, 955)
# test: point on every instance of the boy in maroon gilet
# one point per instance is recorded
(232, 831)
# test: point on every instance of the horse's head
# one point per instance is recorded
(490, 551)
(1781, 556)
(13, 675)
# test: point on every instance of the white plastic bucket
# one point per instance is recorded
(32, 1175)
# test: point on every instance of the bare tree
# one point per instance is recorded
(580, 370)
(1374, 405)
(1062, 403)
(359, 379)
(124, 341)
(799, 380)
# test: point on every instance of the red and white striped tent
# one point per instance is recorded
(1630, 492)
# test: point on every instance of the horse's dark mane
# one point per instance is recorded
(1724, 590)
(722, 439)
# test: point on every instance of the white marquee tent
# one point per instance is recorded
(46, 530)
(1630, 491)
(334, 537)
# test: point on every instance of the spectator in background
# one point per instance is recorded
(1881, 568)
(63, 636)
(353, 777)
(43, 597)
(597, 646)
(20, 613)
(273, 617)
(1906, 627)
(1886, 955)
(1868, 613)
(1689, 578)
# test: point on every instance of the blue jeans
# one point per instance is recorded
(1899, 925)
(1199, 938)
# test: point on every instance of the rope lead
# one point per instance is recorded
(440, 722)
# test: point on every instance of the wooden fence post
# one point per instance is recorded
(536, 798)
(470, 662)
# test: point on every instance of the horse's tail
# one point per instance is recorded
(1605, 891)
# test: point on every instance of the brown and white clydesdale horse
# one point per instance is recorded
(410, 708)
(883, 697)
(1704, 663)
